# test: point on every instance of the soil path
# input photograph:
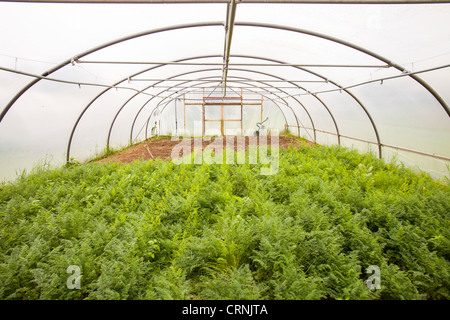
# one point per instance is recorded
(162, 148)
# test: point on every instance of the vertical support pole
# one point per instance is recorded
(242, 105)
(176, 118)
(221, 120)
(203, 118)
(229, 25)
(261, 108)
(242, 125)
(203, 113)
(184, 112)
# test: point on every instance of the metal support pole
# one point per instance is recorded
(241, 1)
(184, 112)
(176, 118)
(229, 26)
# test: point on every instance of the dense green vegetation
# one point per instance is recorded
(155, 230)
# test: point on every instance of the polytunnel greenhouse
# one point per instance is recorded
(346, 101)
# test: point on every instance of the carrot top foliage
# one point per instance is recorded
(156, 230)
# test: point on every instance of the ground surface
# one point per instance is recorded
(162, 148)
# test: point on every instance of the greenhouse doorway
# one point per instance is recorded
(223, 116)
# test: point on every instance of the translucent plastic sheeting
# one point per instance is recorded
(403, 33)
(10, 84)
(42, 35)
(328, 47)
(68, 29)
(173, 122)
(407, 116)
(438, 79)
(231, 112)
(359, 145)
(194, 120)
(323, 119)
(276, 120)
(90, 136)
(300, 117)
(38, 127)
(324, 138)
(437, 168)
(120, 133)
(350, 116)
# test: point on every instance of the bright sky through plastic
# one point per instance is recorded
(36, 37)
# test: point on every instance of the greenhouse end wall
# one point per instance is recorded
(329, 73)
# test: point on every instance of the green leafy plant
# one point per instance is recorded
(156, 230)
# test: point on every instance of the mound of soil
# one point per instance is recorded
(162, 147)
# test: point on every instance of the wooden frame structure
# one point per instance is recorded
(222, 102)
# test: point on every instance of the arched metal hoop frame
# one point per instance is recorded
(195, 87)
(237, 56)
(174, 87)
(232, 79)
(242, 24)
(231, 69)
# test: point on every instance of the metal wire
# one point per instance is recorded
(73, 82)
(314, 65)
(381, 80)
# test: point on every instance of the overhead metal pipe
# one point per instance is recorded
(340, 88)
(355, 47)
(316, 65)
(213, 56)
(149, 69)
(180, 87)
(263, 25)
(70, 140)
(229, 26)
(406, 74)
(250, 80)
(86, 84)
(95, 49)
(240, 1)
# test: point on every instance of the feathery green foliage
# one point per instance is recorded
(156, 230)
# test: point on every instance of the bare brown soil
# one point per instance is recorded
(162, 148)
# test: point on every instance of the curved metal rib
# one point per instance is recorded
(231, 77)
(245, 24)
(216, 69)
(95, 49)
(352, 46)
